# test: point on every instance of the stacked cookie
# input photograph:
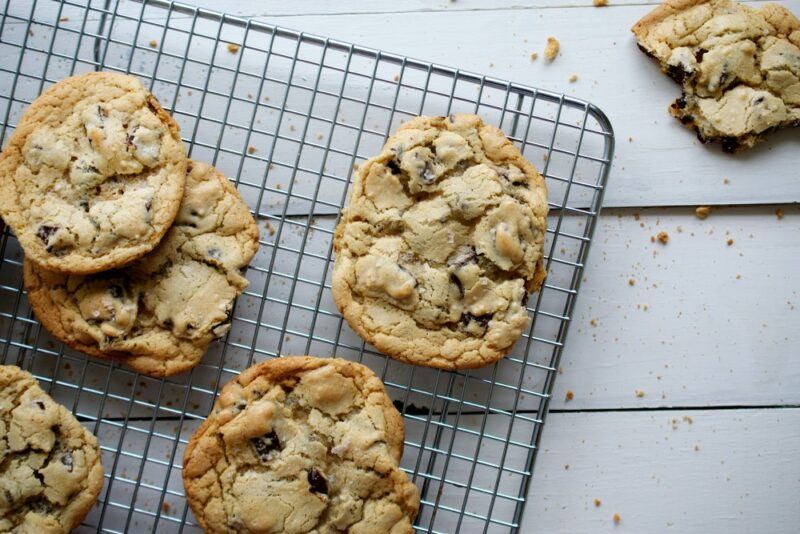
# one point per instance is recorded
(132, 251)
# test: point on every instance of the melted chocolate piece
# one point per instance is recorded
(317, 482)
(266, 444)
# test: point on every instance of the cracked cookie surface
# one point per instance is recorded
(159, 314)
(739, 66)
(440, 244)
(50, 474)
(93, 175)
(301, 444)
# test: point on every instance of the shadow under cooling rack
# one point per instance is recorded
(287, 116)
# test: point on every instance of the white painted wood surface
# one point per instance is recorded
(705, 325)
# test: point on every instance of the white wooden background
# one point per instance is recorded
(710, 333)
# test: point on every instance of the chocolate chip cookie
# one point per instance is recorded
(93, 175)
(739, 66)
(50, 474)
(440, 244)
(159, 314)
(301, 444)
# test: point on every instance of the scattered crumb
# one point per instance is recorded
(551, 50)
(617, 519)
(570, 395)
(726, 181)
(573, 78)
(270, 229)
(662, 237)
(630, 139)
(251, 149)
(593, 322)
(320, 137)
(166, 507)
(534, 56)
(63, 19)
(696, 447)
(779, 213)
(702, 212)
(266, 99)
(729, 241)
(600, 3)
(738, 276)
(292, 128)
(566, 467)
(153, 43)
(233, 48)
(396, 77)
(597, 502)
(636, 216)
(688, 419)
(631, 282)
(639, 393)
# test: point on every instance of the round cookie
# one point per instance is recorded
(440, 244)
(50, 472)
(301, 444)
(93, 175)
(159, 314)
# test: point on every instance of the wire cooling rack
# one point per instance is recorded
(288, 115)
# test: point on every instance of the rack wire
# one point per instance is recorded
(287, 116)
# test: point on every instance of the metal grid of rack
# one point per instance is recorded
(287, 116)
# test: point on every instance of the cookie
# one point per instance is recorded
(93, 175)
(159, 314)
(739, 66)
(50, 474)
(301, 444)
(440, 244)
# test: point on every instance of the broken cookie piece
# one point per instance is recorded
(739, 67)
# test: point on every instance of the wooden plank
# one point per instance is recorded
(742, 477)
(274, 8)
(705, 324)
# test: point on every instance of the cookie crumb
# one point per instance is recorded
(396, 78)
(166, 507)
(566, 467)
(153, 43)
(552, 48)
(534, 56)
(597, 503)
(696, 447)
(630, 139)
(729, 242)
(593, 321)
(63, 19)
(251, 149)
(639, 393)
(233, 48)
(726, 181)
(631, 282)
(570, 395)
(779, 213)
(617, 519)
(573, 78)
(662, 237)
(702, 212)
(599, 3)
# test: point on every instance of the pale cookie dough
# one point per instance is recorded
(93, 175)
(440, 244)
(301, 444)
(50, 472)
(739, 66)
(159, 314)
